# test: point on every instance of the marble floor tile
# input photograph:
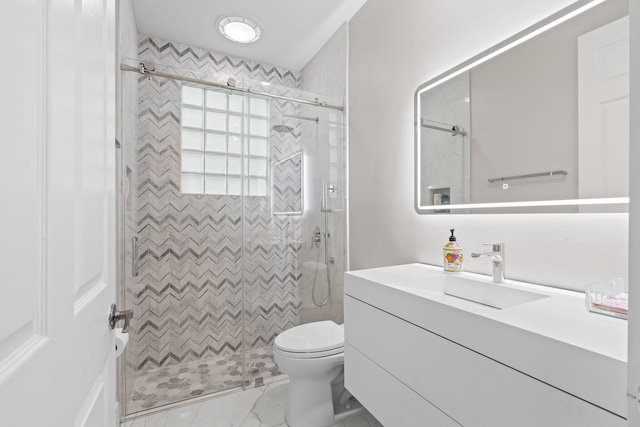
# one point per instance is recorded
(257, 407)
(171, 384)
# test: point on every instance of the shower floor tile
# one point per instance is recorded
(257, 407)
(162, 386)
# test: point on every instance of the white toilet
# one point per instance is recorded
(312, 355)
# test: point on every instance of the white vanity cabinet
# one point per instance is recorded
(408, 375)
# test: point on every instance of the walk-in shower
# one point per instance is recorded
(216, 204)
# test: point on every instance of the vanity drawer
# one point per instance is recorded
(469, 387)
(389, 400)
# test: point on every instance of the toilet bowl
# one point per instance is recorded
(312, 356)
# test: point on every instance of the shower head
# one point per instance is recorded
(282, 128)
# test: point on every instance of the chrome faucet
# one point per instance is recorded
(497, 261)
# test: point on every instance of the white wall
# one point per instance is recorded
(396, 46)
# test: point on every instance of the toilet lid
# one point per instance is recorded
(311, 338)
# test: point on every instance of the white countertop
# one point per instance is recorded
(555, 339)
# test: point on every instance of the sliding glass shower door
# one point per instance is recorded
(216, 208)
(183, 178)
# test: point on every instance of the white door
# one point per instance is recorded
(603, 111)
(57, 272)
(633, 355)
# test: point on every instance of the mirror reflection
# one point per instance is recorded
(546, 120)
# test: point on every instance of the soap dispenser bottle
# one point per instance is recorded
(452, 255)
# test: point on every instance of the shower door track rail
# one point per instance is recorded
(145, 71)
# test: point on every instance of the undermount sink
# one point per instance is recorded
(486, 293)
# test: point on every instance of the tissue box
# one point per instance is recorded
(609, 298)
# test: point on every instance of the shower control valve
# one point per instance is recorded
(317, 235)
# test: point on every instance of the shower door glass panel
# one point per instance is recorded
(272, 241)
(186, 339)
(323, 262)
(283, 264)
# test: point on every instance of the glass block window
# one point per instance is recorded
(221, 142)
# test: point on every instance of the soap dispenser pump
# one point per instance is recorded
(452, 255)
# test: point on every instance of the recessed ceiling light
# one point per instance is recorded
(239, 29)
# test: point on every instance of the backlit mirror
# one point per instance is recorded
(538, 123)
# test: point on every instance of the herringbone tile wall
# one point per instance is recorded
(205, 259)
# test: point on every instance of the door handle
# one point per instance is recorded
(134, 257)
(115, 316)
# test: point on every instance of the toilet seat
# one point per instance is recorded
(317, 339)
(309, 355)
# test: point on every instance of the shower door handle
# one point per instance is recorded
(134, 257)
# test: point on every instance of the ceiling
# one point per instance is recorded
(293, 31)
